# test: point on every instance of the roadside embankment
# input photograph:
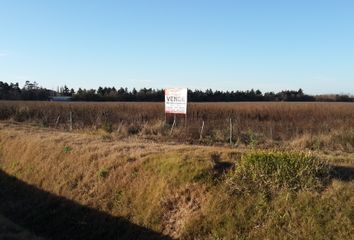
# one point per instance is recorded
(174, 191)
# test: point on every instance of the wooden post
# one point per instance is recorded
(57, 121)
(230, 131)
(71, 120)
(174, 123)
(201, 132)
(120, 126)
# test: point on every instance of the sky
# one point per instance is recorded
(199, 44)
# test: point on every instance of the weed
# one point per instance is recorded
(252, 138)
(103, 173)
(14, 165)
(67, 149)
(118, 198)
(135, 173)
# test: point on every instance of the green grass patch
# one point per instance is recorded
(67, 149)
(176, 168)
(264, 171)
(103, 173)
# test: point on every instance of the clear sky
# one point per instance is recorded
(225, 45)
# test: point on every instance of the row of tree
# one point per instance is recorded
(32, 91)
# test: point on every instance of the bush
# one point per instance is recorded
(269, 171)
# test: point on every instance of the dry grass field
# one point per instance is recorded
(121, 174)
(313, 124)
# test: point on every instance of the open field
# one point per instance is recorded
(316, 125)
(188, 120)
(87, 185)
(120, 171)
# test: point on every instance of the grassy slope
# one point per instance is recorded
(178, 190)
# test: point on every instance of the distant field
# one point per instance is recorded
(252, 123)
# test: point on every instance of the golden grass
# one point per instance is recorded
(179, 190)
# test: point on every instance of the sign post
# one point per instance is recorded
(176, 102)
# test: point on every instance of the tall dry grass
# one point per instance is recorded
(252, 123)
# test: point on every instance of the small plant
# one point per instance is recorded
(14, 165)
(135, 173)
(67, 149)
(118, 198)
(250, 138)
(103, 173)
(253, 139)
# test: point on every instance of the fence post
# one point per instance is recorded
(57, 121)
(201, 132)
(230, 131)
(174, 123)
(71, 120)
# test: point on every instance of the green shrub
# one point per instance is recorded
(67, 149)
(267, 171)
(103, 173)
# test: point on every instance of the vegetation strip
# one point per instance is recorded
(184, 191)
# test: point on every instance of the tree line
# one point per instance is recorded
(32, 91)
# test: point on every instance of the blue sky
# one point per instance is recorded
(225, 45)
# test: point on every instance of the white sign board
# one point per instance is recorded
(176, 100)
